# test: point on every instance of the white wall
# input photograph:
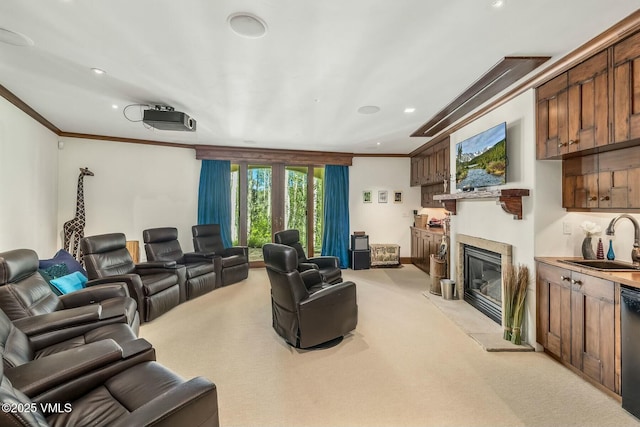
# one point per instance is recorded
(383, 222)
(28, 183)
(622, 240)
(135, 187)
(485, 218)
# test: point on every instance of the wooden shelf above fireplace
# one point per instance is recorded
(509, 198)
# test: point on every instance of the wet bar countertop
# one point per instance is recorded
(629, 278)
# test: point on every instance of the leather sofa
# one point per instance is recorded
(233, 263)
(329, 266)
(154, 285)
(25, 293)
(161, 244)
(306, 311)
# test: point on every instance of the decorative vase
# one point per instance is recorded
(610, 254)
(587, 249)
(600, 252)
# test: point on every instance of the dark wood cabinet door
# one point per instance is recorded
(415, 239)
(552, 118)
(415, 172)
(580, 182)
(554, 310)
(593, 328)
(588, 105)
(626, 89)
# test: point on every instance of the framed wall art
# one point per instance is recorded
(383, 196)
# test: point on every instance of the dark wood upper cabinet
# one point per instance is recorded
(589, 116)
(626, 89)
(593, 105)
(430, 169)
(588, 106)
(552, 118)
(573, 110)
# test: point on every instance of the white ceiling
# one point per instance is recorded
(299, 86)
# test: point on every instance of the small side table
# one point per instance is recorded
(133, 246)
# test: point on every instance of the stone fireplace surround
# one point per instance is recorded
(504, 249)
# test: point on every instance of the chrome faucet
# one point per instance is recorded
(635, 252)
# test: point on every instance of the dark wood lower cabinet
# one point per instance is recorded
(593, 328)
(554, 310)
(424, 243)
(578, 322)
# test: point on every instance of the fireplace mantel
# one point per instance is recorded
(509, 198)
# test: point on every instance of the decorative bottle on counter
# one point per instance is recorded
(600, 252)
(610, 254)
(587, 249)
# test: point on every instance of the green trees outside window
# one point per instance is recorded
(268, 211)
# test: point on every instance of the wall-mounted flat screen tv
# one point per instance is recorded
(481, 161)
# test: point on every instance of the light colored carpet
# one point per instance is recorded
(406, 364)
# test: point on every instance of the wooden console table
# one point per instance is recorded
(509, 198)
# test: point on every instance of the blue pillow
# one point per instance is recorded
(69, 283)
(53, 272)
(64, 257)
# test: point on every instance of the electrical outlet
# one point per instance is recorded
(566, 228)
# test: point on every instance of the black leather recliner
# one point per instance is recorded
(25, 293)
(104, 384)
(41, 336)
(329, 266)
(161, 244)
(155, 285)
(234, 261)
(307, 312)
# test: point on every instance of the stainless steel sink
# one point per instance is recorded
(602, 265)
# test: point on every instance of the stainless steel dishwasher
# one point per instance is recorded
(630, 337)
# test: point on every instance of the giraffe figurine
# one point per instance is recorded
(74, 228)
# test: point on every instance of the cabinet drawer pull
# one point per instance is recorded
(593, 198)
(565, 278)
(562, 144)
(604, 198)
(576, 282)
(574, 141)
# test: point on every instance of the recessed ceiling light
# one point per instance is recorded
(114, 106)
(409, 110)
(497, 3)
(247, 25)
(98, 71)
(368, 109)
(13, 38)
(378, 143)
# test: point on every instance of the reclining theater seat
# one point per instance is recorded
(305, 311)
(233, 265)
(329, 266)
(161, 244)
(25, 293)
(155, 285)
(18, 347)
(101, 384)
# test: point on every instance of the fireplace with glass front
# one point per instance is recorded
(483, 281)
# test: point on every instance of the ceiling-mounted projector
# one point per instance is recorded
(166, 118)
